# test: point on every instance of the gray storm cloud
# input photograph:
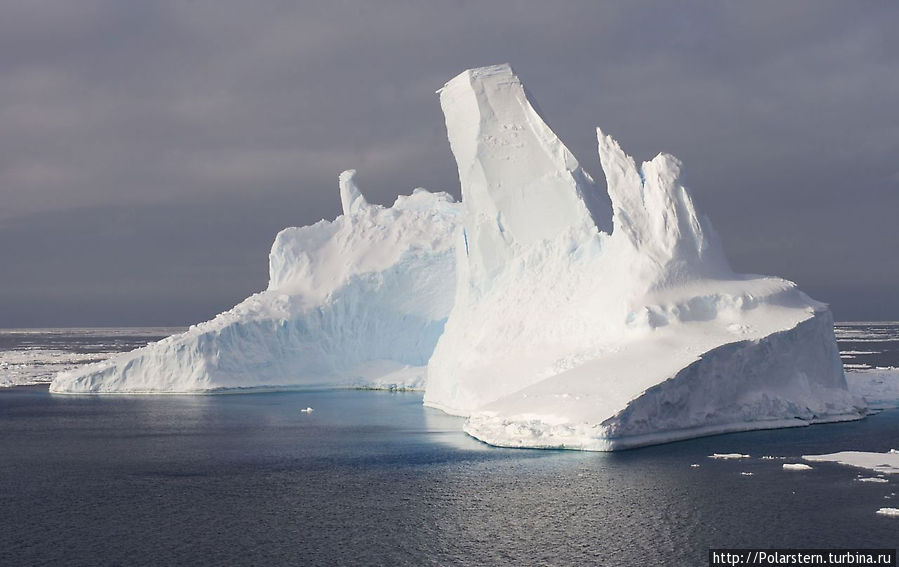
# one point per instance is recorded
(149, 151)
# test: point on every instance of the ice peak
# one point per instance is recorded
(351, 198)
(654, 212)
(520, 184)
(468, 76)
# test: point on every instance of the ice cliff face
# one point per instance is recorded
(576, 328)
(358, 301)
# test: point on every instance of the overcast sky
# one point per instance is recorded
(150, 151)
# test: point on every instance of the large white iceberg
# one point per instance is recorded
(546, 316)
(578, 327)
(358, 301)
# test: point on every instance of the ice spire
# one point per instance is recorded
(654, 212)
(351, 198)
(520, 184)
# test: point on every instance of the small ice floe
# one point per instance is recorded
(694, 466)
(890, 512)
(872, 479)
(307, 410)
(884, 463)
(796, 467)
(728, 456)
(746, 474)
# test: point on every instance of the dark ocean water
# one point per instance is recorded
(373, 478)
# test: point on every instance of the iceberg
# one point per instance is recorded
(580, 325)
(355, 302)
(546, 311)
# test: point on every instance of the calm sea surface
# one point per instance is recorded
(375, 478)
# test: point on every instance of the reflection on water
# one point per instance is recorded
(375, 478)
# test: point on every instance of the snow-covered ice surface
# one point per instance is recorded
(796, 467)
(355, 302)
(580, 326)
(884, 463)
(891, 512)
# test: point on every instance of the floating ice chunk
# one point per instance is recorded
(695, 465)
(873, 479)
(856, 352)
(307, 410)
(890, 512)
(746, 474)
(728, 456)
(796, 467)
(886, 463)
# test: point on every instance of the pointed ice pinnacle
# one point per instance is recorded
(520, 184)
(351, 199)
(653, 212)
